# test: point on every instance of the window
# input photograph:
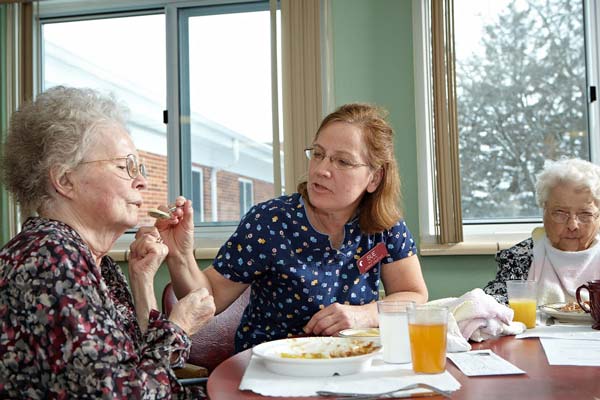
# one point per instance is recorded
(197, 81)
(523, 76)
(126, 57)
(226, 91)
(198, 194)
(246, 196)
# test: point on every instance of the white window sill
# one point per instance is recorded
(475, 243)
(480, 240)
(205, 246)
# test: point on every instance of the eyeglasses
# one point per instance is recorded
(561, 217)
(338, 162)
(134, 169)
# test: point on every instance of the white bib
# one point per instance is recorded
(559, 273)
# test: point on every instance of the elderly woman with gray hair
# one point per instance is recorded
(567, 254)
(70, 326)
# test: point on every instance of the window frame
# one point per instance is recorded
(246, 195)
(491, 237)
(198, 204)
(209, 237)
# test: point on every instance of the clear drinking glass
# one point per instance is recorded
(393, 330)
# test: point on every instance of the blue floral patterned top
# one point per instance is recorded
(295, 272)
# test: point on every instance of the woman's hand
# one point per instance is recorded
(178, 231)
(147, 252)
(337, 317)
(193, 311)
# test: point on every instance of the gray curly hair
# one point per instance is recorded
(583, 174)
(54, 131)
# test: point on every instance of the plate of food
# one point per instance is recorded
(567, 312)
(361, 333)
(317, 356)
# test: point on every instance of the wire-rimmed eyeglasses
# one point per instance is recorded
(561, 217)
(338, 162)
(134, 169)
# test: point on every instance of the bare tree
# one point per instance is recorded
(520, 103)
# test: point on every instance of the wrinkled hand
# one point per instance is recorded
(147, 252)
(337, 317)
(193, 311)
(178, 231)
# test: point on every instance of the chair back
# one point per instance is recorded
(214, 342)
(537, 233)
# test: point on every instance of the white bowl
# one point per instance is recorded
(290, 356)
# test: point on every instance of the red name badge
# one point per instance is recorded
(372, 257)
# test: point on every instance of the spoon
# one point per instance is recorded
(160, 214)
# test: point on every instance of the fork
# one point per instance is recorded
(366, 396)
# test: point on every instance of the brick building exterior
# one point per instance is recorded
(228, 194)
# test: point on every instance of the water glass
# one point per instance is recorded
(393, 330)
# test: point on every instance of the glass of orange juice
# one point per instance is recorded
(427, 326)
(522, 298)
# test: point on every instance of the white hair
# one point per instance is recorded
(55, 130)
(583, 174)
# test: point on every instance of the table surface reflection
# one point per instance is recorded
(541, 381)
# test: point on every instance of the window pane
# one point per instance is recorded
(198, 195)
(246, 196)
(124, 56)
(521, 84)
(228, 60)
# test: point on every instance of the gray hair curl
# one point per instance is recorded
(54, 131)
(583, 174)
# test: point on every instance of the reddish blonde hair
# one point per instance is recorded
(379, 210)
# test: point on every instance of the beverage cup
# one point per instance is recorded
(393, 330)
(522, 298)
(593, 288)
(427, 326)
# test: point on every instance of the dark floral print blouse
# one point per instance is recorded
(513, 264)
(68, 328)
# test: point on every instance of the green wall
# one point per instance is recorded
(373, 62)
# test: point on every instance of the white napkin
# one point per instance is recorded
(476, 316)
(379, 377)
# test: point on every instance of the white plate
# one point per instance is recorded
(271, 354)
(566, 316)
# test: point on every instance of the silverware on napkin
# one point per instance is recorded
(370, 396)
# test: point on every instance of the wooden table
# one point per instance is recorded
(541, 381)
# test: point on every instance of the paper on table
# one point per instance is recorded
(379, 377)
(562, 331)
(572, 352)
(483, 362)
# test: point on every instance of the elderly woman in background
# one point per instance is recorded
(568, 253)
(70, 327)
(314, 259)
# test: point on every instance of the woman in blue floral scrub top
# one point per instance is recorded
(314, 259)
